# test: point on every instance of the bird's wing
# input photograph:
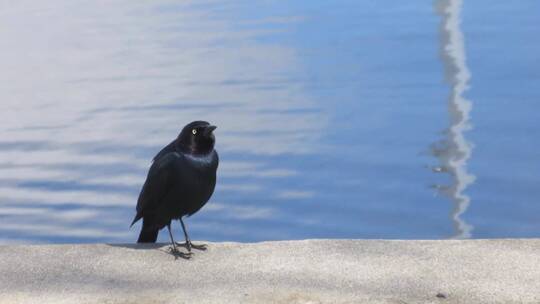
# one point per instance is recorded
(166, 150)
(157, 184)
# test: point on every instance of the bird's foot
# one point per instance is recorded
(179, 254)
(190, 245)
(201, 247)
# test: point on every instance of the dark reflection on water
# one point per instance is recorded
(324, 111)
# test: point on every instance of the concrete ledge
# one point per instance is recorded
(311, 271)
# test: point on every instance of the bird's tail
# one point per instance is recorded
(148, 233)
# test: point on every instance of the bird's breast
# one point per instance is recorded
(195, 185)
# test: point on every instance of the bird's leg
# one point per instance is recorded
(188, 242)
(175, 250)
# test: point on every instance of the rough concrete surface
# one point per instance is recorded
(310, 271)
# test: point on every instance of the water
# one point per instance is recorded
(352, 119)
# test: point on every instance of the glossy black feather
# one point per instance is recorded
(180, 181)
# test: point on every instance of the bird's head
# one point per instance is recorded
(197, 138)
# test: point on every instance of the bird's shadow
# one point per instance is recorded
(163, 247)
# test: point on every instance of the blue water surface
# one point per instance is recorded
(336, 119)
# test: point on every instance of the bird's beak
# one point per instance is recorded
(208, 130)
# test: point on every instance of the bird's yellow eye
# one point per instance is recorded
(194, 131)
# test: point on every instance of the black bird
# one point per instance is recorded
(180, 181)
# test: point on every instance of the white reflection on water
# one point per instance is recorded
(90, 91)
(454, 150)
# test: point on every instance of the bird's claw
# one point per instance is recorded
(190, 245)
(179, 254)
(201, 247)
